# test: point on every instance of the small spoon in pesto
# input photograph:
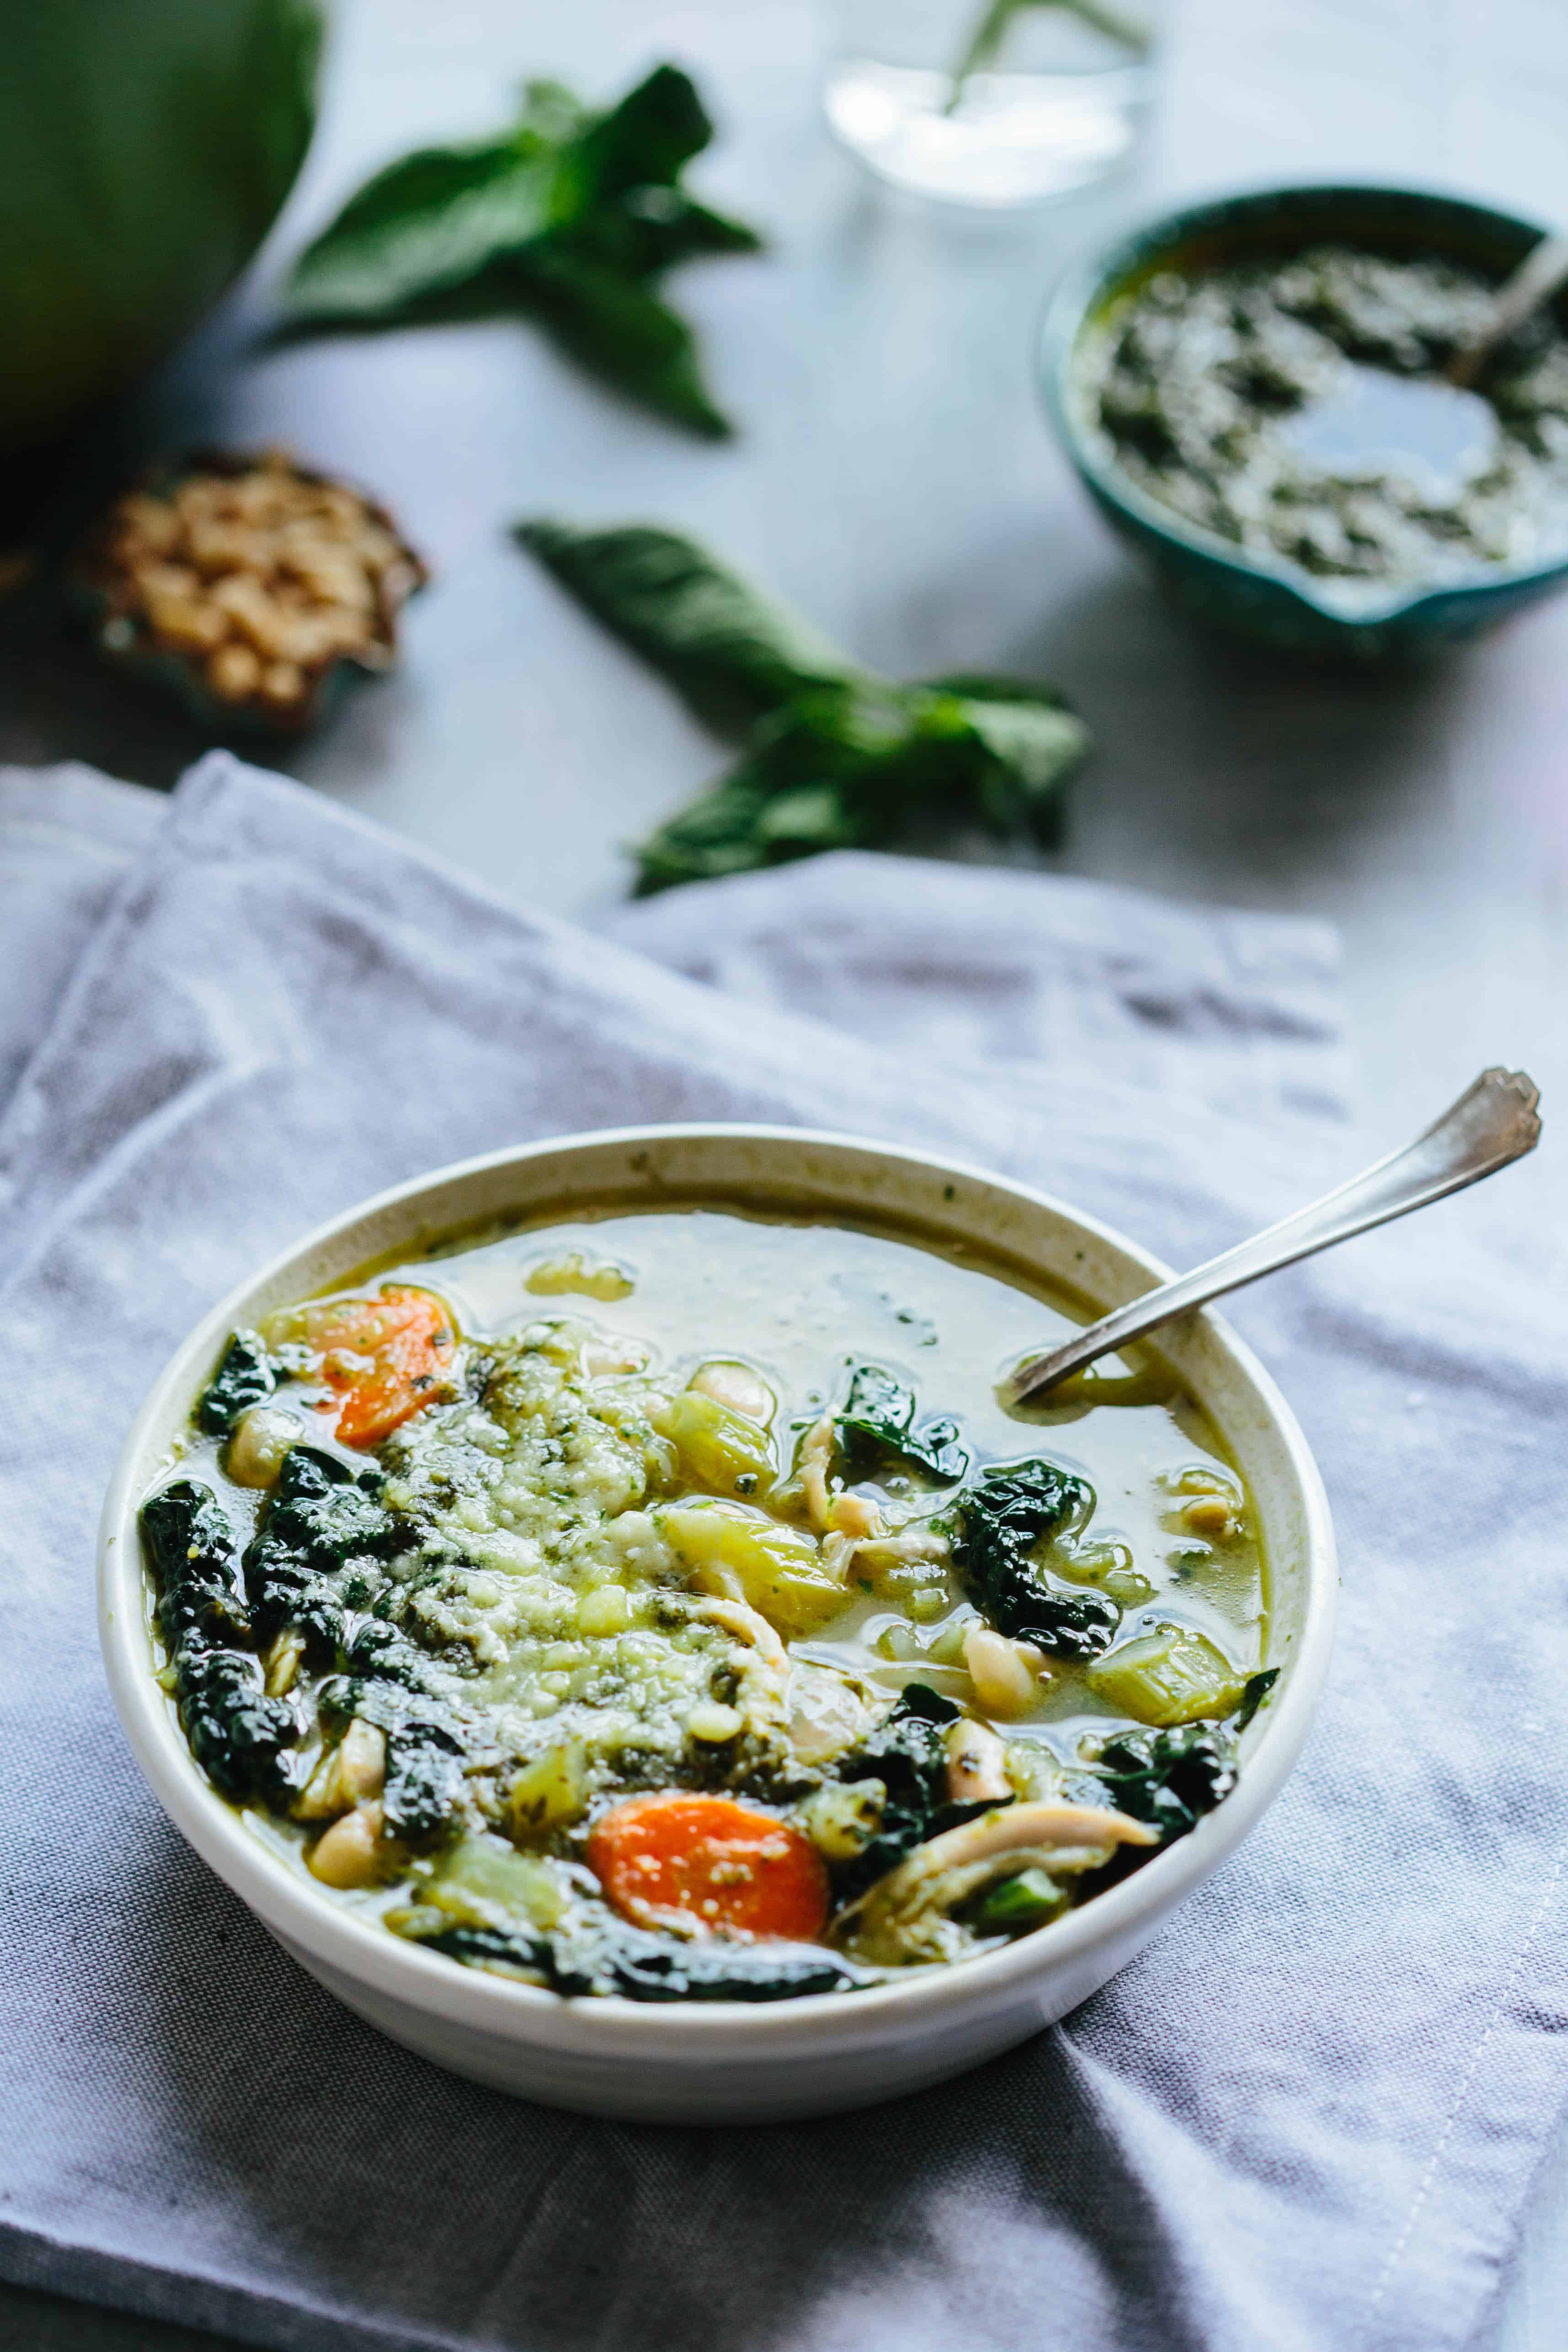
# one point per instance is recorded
(1540, 273)
(1494, 1122)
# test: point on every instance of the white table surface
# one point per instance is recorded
(894, 477)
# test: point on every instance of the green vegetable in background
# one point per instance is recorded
(567, 219)
(833, 757)
(145, 147)
(988, 35)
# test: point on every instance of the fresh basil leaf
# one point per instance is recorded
(656, 229)
(649, 139)
(425, 226)
(612, 325)
(552, 114)
(1032, 741)
(731, 653)
(565, 220)
(834, 758)
(836, 767)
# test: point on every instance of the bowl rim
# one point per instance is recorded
(310, 1920)
(1093, 276)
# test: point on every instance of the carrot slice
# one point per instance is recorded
(707, 1861)
(384, 1356)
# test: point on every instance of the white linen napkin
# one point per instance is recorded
(1306, 2119)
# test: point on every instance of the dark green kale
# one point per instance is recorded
(908, 1754)
(424, 1781)
(614, 1958)
(195, 1566)
(1254, 1691)
(998, 1527)
(237, 1734)
(832, 756)
(426, 1746)
(1169, 1778)
(877, 1435)
(324, 1526)
(569, 219)
(247, 1376)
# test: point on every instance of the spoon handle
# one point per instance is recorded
(1540, 273)
(1492, 1123)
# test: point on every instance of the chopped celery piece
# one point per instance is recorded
(484, 1883)
(1171, 1675)
(552, 1790)
(719, 1448)
(743, 1555)
(1013, 1906)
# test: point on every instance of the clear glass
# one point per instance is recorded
(993, 101)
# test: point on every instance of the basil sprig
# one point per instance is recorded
(569, 219)
(831, 756)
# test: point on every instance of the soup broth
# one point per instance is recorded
(670, 1604)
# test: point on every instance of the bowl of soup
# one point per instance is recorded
(1253, 391)
(602, 1610)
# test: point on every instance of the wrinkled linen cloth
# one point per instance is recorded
(1305, 2119)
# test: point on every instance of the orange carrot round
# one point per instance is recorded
(384, 1356)
(707, 1861)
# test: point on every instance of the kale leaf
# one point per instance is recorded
(907, 1753)
(237, 1734)
(385, 1683)
(1169, 1778)
(322, 1542)
(324, 1520)
(247, 1376)
(998, 1525)
(641, 1965)
(832, 756)
(568, 219)
(877, 1431)
(194, 1565)
(424, 1781)
(1254, 1691)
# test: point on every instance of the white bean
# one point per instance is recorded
(346, 1855)
(262, 1437)
(1002, 1682)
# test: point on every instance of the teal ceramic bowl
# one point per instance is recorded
(1273, 600)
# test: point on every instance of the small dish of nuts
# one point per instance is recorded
(251, 585)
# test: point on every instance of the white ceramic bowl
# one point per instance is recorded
(730, 2061)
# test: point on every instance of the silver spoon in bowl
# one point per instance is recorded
(1494, 1122)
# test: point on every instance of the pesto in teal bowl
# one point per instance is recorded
(1249, 592)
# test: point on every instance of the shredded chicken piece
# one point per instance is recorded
(854, 1515)
(815, 1455)
(750, 1626)
(915, 1543)
(907, 1915)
